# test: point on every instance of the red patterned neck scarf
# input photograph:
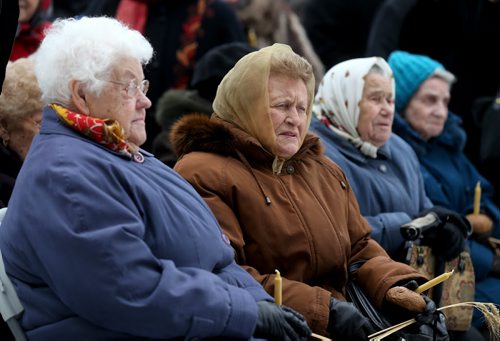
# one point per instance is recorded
(106, 132)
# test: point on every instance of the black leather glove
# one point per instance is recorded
(431, 323)
(280, 323)
(347, 323)
(428, 316)
(411, 285)
(448, 239)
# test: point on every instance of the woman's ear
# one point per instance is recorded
(78, 97)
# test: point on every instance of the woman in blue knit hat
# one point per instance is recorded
(423, 120)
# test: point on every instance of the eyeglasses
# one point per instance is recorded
(132, 86)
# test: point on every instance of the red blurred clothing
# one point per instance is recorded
(28, 40)
(31, 34)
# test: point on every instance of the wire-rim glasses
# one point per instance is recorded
(132, 86)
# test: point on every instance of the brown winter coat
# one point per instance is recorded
(305, 222)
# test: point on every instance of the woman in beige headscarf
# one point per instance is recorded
(281, 202)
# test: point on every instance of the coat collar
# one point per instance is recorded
(51, 124)
(452, 138)
(347, 148)
(197, 132)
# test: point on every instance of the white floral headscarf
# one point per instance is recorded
(337, 101)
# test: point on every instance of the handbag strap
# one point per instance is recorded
(354, 266)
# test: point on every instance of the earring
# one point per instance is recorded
(5, 142)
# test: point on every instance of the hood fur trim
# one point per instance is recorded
(197, 132)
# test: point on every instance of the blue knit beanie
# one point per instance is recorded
(410, 71)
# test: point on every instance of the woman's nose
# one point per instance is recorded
(442, 109)
(143, 101)
(292, 117)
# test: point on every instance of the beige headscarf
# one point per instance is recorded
(243, 97)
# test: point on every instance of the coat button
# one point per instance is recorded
(139, 158)
(383, 168)
(342, 183)
(290, 169)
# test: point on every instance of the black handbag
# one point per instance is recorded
(356, 296)
(380, 320)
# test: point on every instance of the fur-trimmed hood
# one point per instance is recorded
(197, 132)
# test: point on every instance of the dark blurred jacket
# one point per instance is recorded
(10, 164)
(164, 27)
(207, 75)
(9, 12)
(338, 29)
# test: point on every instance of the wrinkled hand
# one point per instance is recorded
(347, 323)
(280, 322)
(447, 240)
(481, 223)
(406, 298)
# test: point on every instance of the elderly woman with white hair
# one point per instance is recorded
(114, 244)
(436, 136)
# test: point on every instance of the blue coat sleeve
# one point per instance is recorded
(482, 259)
(385, 229)
(237, 276)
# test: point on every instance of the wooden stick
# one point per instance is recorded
(388, 331)
(494, 240)
(319, 337)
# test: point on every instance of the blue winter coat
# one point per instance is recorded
(102, 247)
(450, 179)
(389, 189)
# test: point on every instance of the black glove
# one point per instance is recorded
(280, 322)
(448, 239)
(347, 323)
(429, 315)
(431, 323)
(411, 285)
